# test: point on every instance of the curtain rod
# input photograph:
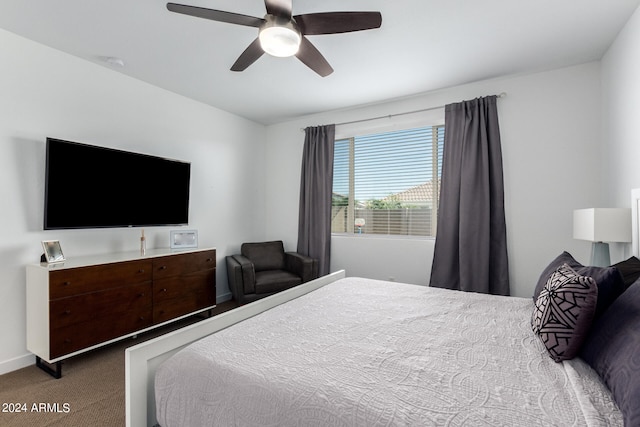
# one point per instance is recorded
(388, 116)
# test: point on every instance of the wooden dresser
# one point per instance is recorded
(87, 302)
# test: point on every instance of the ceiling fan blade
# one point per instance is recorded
(337, 22)
(280, 8)
(313, 59)
(216, 15)
(248, 57)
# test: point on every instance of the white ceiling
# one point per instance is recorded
(423, 45)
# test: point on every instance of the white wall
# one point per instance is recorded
(621, 112)
(44, 92)
(558, 156)
(550, 126)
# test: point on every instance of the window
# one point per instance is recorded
(388, 183)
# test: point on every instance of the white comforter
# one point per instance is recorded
(360, 352)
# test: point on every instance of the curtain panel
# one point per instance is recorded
(316, 186)
(471, 240)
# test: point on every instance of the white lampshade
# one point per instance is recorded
(602, 224)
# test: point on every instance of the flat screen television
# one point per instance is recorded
(95, 187)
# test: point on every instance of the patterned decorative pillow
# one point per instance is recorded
(564, 258)
(610, 281)
(563, 312)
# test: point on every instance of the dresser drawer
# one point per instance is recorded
(187, 303)
(94, 300)
(176, 296)
(100, 305)
(175, 287)
(186, 263)
(78, 336)
(75, 281)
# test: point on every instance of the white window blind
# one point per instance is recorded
(388, 183)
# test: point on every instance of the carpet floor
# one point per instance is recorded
(91, 391)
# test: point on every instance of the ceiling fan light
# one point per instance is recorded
(279, 41)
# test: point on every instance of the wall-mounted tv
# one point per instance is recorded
(95, 187)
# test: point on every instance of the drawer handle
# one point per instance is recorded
(164, 290)
(66, 283)
(164, 267)
(209, 259)
(67, 312)
(67, 340)
(141, 317)
(141, 270)
(141, 294)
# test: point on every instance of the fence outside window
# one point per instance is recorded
(388, 183)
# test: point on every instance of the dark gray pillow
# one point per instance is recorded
(610, 285)
(613, 351)
(563, 312)
(564, 258)
(609, 280)
(630, 270)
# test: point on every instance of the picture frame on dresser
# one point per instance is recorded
(52, 251)
(183, 239)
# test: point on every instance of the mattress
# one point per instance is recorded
(361, 352)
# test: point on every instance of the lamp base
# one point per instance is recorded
(600, 254)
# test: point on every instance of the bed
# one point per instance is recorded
(359, 352)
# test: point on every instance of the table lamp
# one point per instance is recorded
(602, 225)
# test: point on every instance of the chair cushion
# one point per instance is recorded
(265, 255)
(275, 280)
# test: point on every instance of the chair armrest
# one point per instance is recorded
(243, 275)
(302, 265)
(234, 276)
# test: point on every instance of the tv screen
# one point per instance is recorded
(95, 187)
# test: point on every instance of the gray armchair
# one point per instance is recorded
(262, 269)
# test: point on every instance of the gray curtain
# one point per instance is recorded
(471, 240)
(316, 186)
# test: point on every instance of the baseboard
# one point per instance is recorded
(16, 363)
(224, 297)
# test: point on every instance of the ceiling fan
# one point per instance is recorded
(283, 34)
